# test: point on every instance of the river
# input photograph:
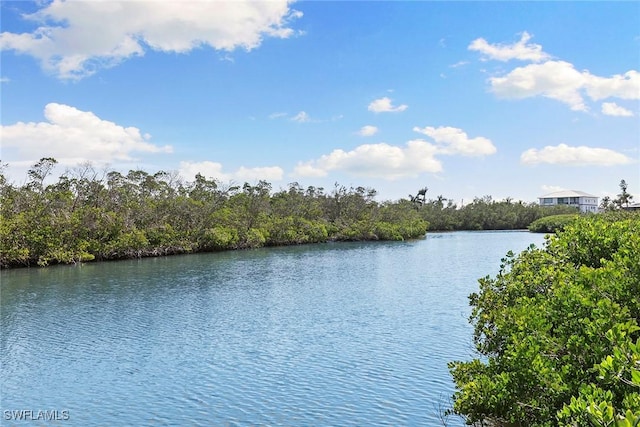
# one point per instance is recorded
(336, 334)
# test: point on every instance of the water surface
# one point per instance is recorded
(325, 335)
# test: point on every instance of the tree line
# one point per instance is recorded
(88, 214)
(92, 215)
(484, 213)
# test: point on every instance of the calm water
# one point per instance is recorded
(324, 335)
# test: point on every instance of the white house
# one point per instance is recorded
(581, 200)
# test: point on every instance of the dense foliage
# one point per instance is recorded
(89, 215)
(558, 331)
(484, 213)
(551, 224)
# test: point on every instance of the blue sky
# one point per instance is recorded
(508, 99)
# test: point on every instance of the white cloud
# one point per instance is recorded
(208, 169)
(626, 86)
(77, 37)
(558, 80)
(613, 109)
(310, 170)
(519, 50)
(73, 136)
(5, 79)
(563, 154)
(393, 162)
(553, 79)
(459, 64)
(376, 160)
(368, 130)
(213, 170)
(452, 140)
(301, 117)
(384, 105)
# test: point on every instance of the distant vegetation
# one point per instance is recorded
(484, 213)
(558, 332)
(622, 201)
(91, 215)
(552, 224)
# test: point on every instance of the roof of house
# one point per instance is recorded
(566, 193)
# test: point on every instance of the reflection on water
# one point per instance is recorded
(328, 334)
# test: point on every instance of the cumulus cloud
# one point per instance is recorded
(384, 105)
(214, 170)
(73, 136)
(453, 141)
(557, 80)
(563, 154)
(375, 160)
(613, 109)
(77, 37)
(623, 86)
(553, 79)
(311, 169)
(522, 50)
(394, 162)
(367, 130)
(208, 169)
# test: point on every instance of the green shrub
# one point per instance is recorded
(255, 238)
(559, 332)
(219, 238)
(387, 231)
(551, 224)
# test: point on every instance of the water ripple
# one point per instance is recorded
(333, 334)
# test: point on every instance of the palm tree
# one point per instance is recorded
(623, 198)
